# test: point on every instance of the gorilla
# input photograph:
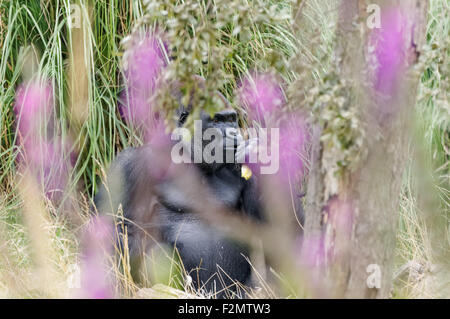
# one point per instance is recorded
(157, 210)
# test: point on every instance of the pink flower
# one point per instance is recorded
(262, 94)
(315, 250)
(46, 162)
(97, 248)
(43, 154)
(159, 161)
(144, 61)
(390, 50)
(32, 108)
(292, 146)
(157, 134)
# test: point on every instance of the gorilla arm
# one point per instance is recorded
(128, 195)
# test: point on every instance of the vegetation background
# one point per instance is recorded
(39, 29)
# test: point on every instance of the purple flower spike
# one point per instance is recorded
(159, 161)
(156, 133)
(262, 94)
(293, 139)
(32, 108)
(390, 51)
(95, 277)
(144, 63)
(42, 154)
(45, 160)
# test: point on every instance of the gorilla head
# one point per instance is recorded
(215, 138)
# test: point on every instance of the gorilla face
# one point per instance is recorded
(219, 133)
(221, 129)
(215, 138)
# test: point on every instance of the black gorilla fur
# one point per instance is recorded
(158, 210)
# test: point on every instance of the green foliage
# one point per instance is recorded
(342, 130)
(330, 99)
(204, 37)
